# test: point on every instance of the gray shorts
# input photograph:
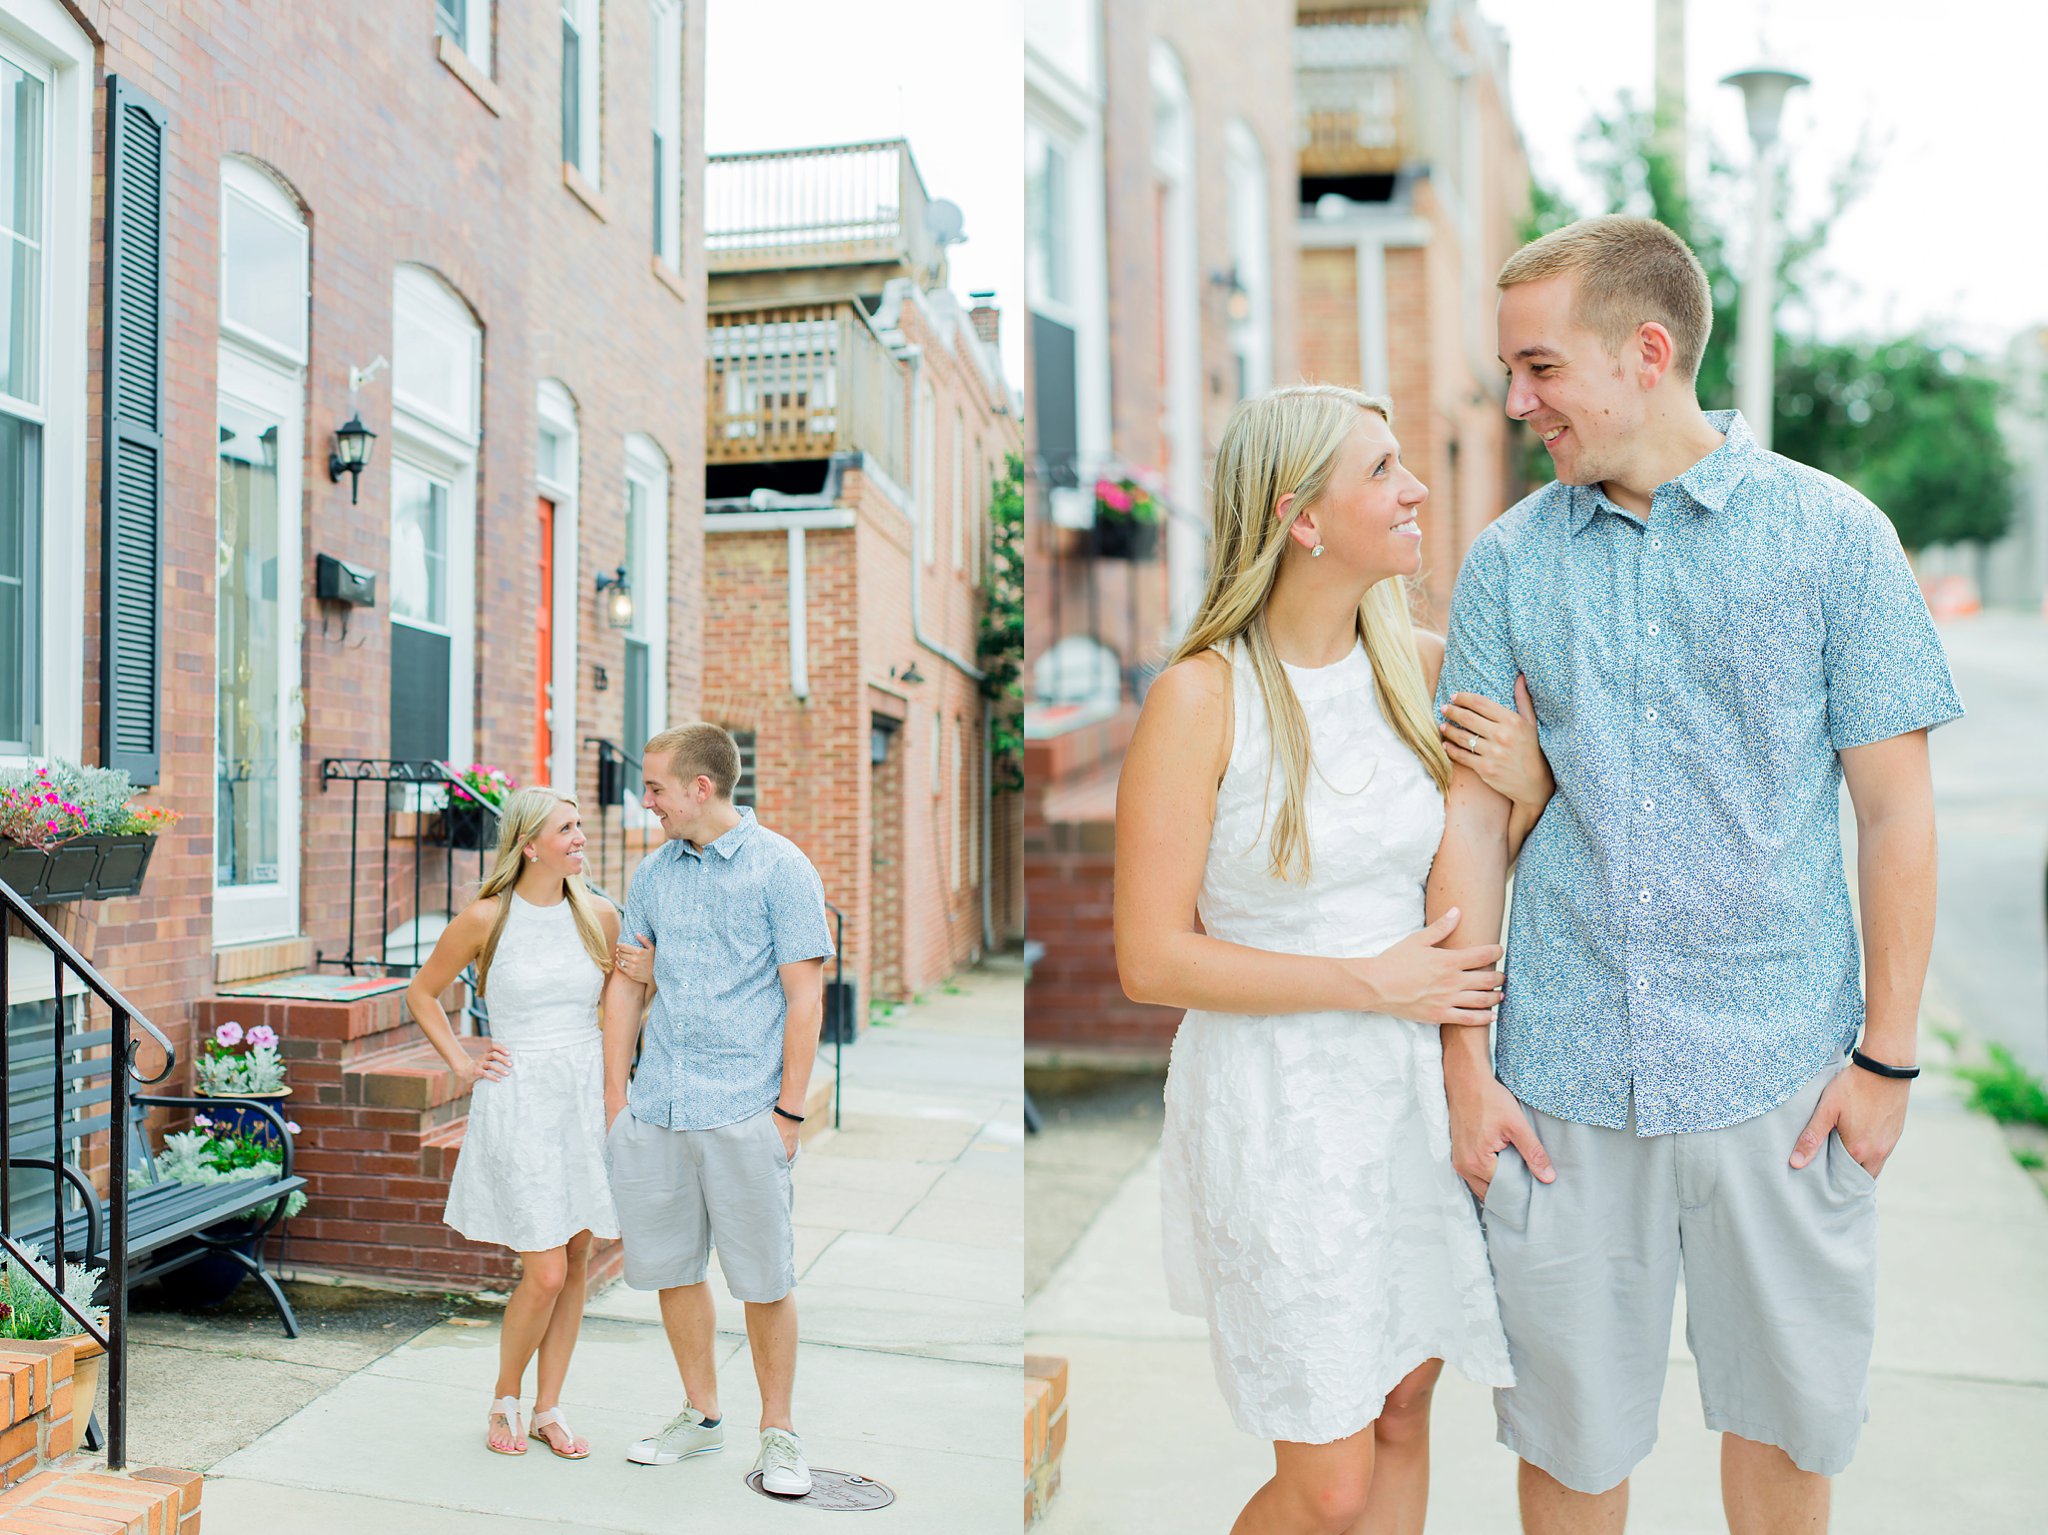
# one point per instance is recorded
(681, 1193)
(1780, 1273)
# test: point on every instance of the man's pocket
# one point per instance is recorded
(1507, 1196)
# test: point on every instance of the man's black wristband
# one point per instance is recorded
(1896, 1073)
(787, 1115)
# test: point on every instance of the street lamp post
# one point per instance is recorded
(1764, 89)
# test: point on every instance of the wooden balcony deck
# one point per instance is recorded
(801, 381)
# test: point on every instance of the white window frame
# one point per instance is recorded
(40, 38)
(587, 17)
(475, 37)
(955, 857)
(428, 440)
(259, 374)
(252, 913)
(668, 125)
(555, 409)
(959, 502)
(927, 472)
(1251, 339)
(648, 467)
(938, 751)
(1074, 127)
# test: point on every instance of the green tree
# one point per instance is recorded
(1000, 647)
(1909, 422)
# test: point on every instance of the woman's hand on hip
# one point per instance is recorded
(1499, 745)
(1419, 979)
(495, 1064)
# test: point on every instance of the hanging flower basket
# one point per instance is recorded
(474, 795)
(1126, 520)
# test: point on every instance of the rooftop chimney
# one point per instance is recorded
(987, 318)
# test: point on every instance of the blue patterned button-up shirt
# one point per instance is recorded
(722, 918)
(1681, 923)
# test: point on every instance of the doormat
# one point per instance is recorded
(314, 988)
(834, 1490)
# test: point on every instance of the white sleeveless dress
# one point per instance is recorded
(531, 1173)
(1311, 1212)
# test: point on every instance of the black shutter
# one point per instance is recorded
(131, 470)
(1055, 417)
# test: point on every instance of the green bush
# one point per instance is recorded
(2006, 1090)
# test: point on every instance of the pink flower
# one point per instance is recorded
(202, 1119)
(262, 1035)
(1116, 499)
(292, 1126)
(229, 1033)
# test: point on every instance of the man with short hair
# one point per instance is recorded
(701, 1144)
(1714, 637)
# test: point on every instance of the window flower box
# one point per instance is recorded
(1126, 520)
(70, 834)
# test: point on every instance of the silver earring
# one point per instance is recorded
(1316, 553)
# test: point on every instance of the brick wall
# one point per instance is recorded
(394, 159)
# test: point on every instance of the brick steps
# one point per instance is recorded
(157, 1500)
(1045, 1431)
(36, 1402)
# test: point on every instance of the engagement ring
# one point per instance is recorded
(1472, 744)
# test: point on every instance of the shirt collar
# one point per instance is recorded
(1708, 483)
(727, 842)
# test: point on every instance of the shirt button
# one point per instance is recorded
(1653, 628)
(1646, 804)
(1650, 715)
(1642, 983)
(1644, 897)
(1656, 543)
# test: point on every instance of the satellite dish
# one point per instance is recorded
(944, 222)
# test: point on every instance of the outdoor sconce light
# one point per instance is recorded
(1237, 299)
(351, 452)
(618, 607)
(909, 673)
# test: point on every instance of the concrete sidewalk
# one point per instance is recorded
(1958, 1396)
(909, 1371)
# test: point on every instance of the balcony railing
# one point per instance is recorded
(844, 204)
(792, 381)
(1351, 91)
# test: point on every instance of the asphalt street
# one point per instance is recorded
(1990, 966)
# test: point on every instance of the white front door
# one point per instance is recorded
(256, 722)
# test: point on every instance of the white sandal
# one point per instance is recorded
(506, 1407)
(553, 1418)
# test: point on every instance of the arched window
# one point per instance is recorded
(558, 586)
(258, 513)
(436, 424)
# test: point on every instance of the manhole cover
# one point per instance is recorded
(832, 1489)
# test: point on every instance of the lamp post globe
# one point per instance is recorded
(1764, 89)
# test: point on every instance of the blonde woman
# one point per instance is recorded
(1276, 818)
(531, 1175)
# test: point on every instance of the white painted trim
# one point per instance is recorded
(253, 913)
(1369, 234)
(799, 630)
(648, 466)
(45, 33)
(253, 185)
(1174, 162)
(555, 408)
(776, 522)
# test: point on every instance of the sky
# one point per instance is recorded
(1951, 232)
(946, 75)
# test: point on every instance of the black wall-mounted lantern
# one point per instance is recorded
(618, 607)
(1237, 298)
(351, 452)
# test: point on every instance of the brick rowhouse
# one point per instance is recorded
(394, 147)
(892, 531)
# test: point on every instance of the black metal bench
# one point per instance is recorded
(170, 1224)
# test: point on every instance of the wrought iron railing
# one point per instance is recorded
(790, 381)
(617, 771)
(69, 1045)
(461, 826)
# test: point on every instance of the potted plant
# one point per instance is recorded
(223, 1147)
(29, 1310)
(1126, 519)
(238, 1063)
(475, 794)
(70, 833)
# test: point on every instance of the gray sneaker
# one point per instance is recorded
(684, 1436)
(781, 1464)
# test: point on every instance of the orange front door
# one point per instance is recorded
(544, 625)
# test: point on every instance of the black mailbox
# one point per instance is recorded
(338, 581)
